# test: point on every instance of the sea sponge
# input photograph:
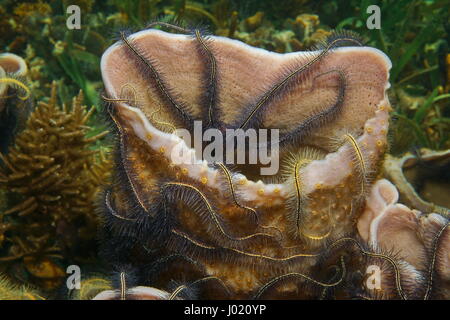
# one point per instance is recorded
(219, 222)
(421, 241)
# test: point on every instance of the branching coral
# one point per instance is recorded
(52, 174)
